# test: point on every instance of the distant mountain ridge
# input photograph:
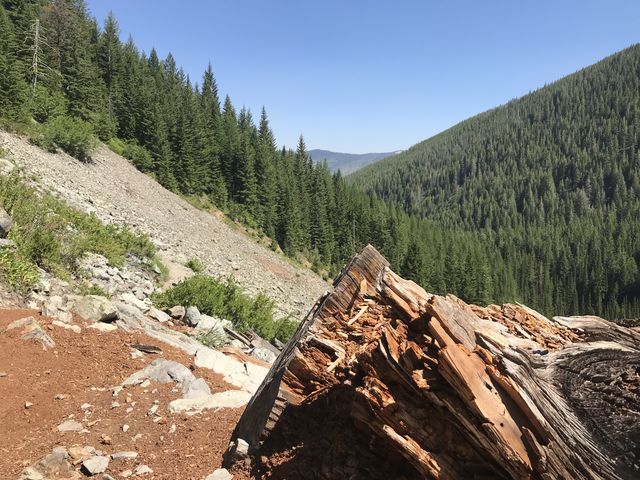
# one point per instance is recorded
(347, 162)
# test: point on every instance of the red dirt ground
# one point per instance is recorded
(84, 367)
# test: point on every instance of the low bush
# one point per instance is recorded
(139, 156)
(223, 297)
(195, 265)
(72, 135)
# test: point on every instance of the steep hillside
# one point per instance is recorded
(347, 162)
(555, 173)
(117, 193)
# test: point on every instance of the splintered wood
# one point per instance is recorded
(385, 381)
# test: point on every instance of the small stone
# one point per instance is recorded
(103, 327)
(158, 315)
(106, 476)
(172, 428)
(3, 374)
(28, 405)
(130, 409)
(158, 419)
(66, 326)
(70, 426)
(124, 455)
(142, 470)
(85, 406)
(220, 474)
(105, 439)
(60, 396)
(125, 428)
(115, 405)
(79, 454)
(145, 384)
(137, 437)
(178, 312)
(152, 411)
(116, 390)
(31, 474)
(126, 473)
(95, 465)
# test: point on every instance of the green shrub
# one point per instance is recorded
(116, 145)
(139, 156)
(225, 298)
(195, 265)
(72, 135)
(16, 271)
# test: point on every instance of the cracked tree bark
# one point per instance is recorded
(383, 380)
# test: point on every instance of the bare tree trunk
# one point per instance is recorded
(385, 381)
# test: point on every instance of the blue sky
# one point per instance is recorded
(362, 76)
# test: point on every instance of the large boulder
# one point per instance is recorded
(95, 308)
(5, 223)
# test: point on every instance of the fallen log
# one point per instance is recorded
(383, 380)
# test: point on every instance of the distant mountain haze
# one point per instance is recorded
(347, 162)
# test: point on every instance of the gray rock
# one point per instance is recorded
(6, 243)
(103, 327)
(95, 465)
(95, 308)
(66, 326)
(196, 389)
(54, 465)
(158, 315)
(178, 312)
(32, 330)
(31, 473)
(264, 354)
(63, 316)
(124, 455)
(131, 299)
(192, 317)
(142, 470)
(220, 474)
(70, 426)
(165, 371)
(5, 223)
(131, 316)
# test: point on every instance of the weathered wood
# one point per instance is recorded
(383, 380)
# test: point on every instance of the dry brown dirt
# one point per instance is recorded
(84, 367)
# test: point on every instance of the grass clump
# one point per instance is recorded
(18, 272)
(195, 265)
(51, 235)
(223, 297)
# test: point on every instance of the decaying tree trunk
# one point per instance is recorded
(385, 381)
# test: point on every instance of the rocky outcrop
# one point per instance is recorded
(384, 380)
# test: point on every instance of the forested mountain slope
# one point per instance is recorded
(554, 177)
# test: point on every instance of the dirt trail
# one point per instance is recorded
(118, 193)
(82, 369)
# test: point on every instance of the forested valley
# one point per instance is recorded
(537, 201)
